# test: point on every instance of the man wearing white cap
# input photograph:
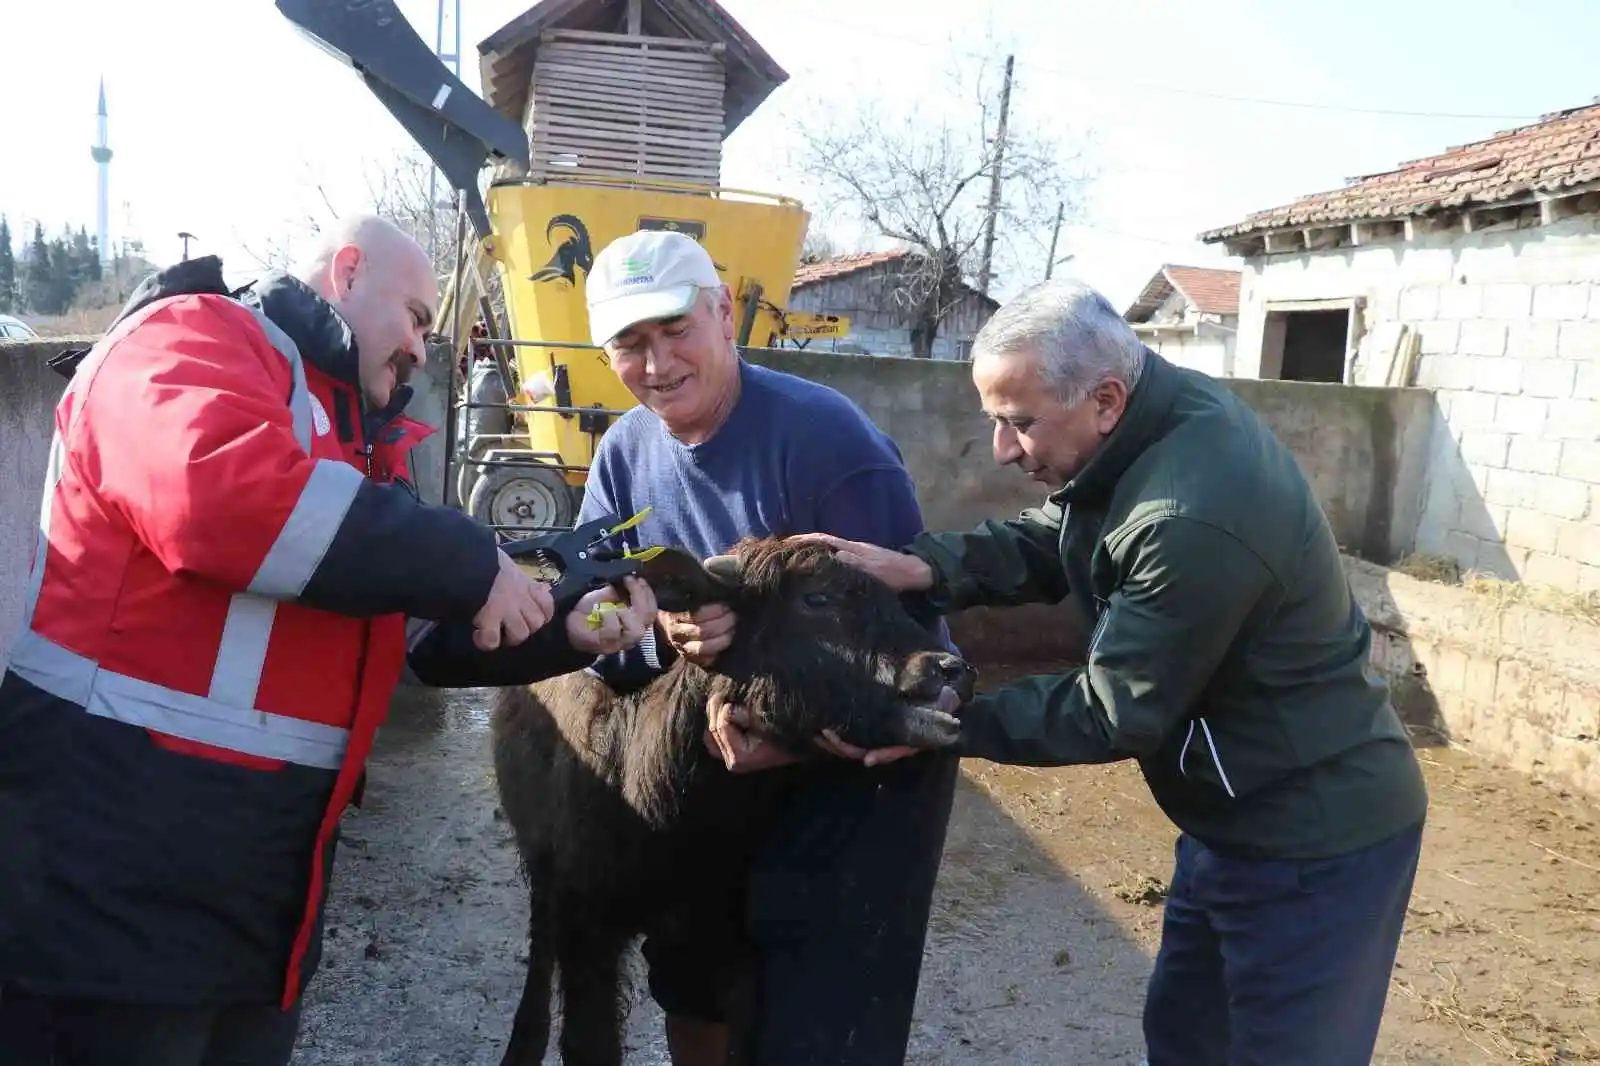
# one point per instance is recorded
(837, 902)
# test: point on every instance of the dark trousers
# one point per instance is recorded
(839, 907)
(836, 916)
(1272, 962)
(51, 1031)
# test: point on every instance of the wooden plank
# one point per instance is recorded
(552, 146)
(575, 98)
(626, 74)
(700, 177)
(617, 38)
(597, 77)
(629, 141)
(689, 99)
(632, 119)
(611, 131)
(621, 143)
(609, 111)
(678, 61)
(698, 103)
(577, 102)
(615, 52)
(630, 68)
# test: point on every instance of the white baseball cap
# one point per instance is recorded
(647, 274)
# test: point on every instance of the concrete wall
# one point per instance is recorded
(1517, 685)
(28, 394)
(1360, 448)
(1509, 321)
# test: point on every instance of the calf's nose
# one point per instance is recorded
(958, 674)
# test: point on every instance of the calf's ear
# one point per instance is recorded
(682, 583)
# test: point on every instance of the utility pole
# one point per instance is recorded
(985, 264)
(1050, 263)
(452, 62)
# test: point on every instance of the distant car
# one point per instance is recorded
(14, 329)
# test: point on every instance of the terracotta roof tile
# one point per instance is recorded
(841, 265)
(1559, 151)
(1209, 290)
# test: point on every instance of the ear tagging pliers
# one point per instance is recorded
(580, 560)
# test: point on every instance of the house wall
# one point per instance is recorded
(876, 327)
(1209, 349)
(1509, 322)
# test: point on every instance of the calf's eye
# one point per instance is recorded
(818, 599)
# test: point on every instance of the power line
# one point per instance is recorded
(1112, 86)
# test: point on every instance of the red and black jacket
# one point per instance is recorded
(216, 621)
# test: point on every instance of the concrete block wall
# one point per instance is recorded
(1509, 321)
(1361, 448)
(28, 393)
(1518, 685)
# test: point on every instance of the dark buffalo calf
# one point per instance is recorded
(626, 824)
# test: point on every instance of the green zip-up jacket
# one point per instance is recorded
(1228, 655)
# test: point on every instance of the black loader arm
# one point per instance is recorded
(456, 127)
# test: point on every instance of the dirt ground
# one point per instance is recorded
(1047, 918)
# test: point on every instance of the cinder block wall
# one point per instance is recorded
(1362, 450)
(1509, 321)
(1515, 684)
(28, 393)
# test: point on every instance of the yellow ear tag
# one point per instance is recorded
(597, 617)
(630, 523)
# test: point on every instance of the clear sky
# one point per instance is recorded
(224, 121)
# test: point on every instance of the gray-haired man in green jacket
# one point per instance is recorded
(1227, 656)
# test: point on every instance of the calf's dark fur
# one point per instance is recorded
(626, 823)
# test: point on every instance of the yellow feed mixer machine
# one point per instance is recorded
(599, 118)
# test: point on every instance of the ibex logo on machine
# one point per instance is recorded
(573, 253)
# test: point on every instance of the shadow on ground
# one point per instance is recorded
(425, 947)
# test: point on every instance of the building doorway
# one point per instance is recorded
(1310, 342)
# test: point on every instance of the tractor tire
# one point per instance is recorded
(526, 495)
(467, 476)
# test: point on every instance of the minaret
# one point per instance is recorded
(102, 156)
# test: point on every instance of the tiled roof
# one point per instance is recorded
(1209, 290)
(1552, 155)
(840, 265)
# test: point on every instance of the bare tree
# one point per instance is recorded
(398, 190)
(819, 245)
(922, 178)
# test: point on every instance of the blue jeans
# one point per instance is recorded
(1277, 961)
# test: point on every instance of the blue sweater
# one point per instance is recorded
(793, 457)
